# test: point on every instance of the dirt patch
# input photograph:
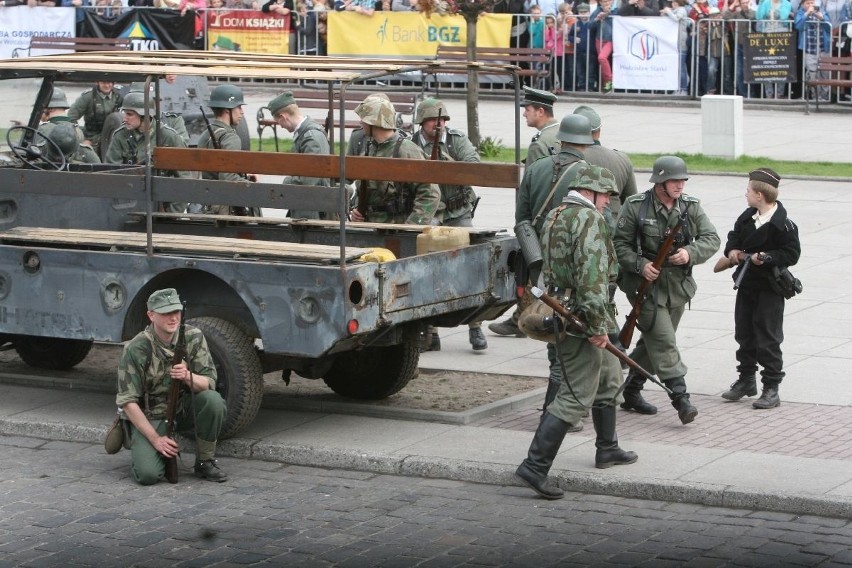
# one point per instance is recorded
(449, 391)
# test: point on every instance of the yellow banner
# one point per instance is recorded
(409, 34)
(245, 30)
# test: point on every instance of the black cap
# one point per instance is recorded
(765, 175)
(537, 97)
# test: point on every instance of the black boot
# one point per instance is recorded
(633, 395)
(680, 400)
(543, 449)
(477, 339)
(768, 398)
(608, 453)
(746, 385)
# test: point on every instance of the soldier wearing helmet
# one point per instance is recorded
(93, 106)
(580, 262)
(640, 230)
(53, 116)
(544, 184)
(442, 143)
(133, 142)
(308, 138)
(227, 102)
(171, 119)
(388, 201)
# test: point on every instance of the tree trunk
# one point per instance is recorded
(472, 84)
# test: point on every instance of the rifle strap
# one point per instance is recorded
(545, 206)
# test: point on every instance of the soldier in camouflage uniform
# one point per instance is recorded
(579, 264)
(459, 201)
(388, 201)
(145, 373)
(540, 177)
(640, 230)
(93, 106)
(54, 115)
(308, 138)
(227, 102)
(129, 142)
(538, 112)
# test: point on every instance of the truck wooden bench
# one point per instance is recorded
(533, 63)
(838, 69)
(319, 99)
(76, 44)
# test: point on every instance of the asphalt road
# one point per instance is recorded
(70, 505)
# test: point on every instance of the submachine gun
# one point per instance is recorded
(180, 355)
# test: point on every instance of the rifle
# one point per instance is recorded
(216, 145)
(364, 185)
(579, 325)
(174, 394)
(625, 337)
(436, 144)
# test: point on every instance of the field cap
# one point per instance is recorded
(284, 99)
(164, 301)
(766, 175)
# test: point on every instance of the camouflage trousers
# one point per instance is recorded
(148, 465)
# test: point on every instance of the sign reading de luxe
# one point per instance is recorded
(770, 58)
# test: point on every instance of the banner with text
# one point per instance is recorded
(410, 34)
(246, 30)
(644, 54)
(770, 58)
(19, 23)
(148, 30)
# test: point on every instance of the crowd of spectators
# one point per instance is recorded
(578, 33)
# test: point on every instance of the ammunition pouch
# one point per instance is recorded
(401, 204)
(460, 197)
(784, 283)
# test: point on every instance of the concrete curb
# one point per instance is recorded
(478, 472)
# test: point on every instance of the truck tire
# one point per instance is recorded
(374, 373)
(239, 375)
(52, 353)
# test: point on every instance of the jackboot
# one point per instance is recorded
(545, 445)
(746, 385)
(633, 395)
(477, 339)
(680, 400)
(768, 398)
(608, 453)
(508, 327)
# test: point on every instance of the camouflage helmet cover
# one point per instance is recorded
(430, 108)
(595, 178)
(64, 135)
(226, 96)
(58, 99)
(135, 101)
(575, 129)
(377, 111)
(668, 167)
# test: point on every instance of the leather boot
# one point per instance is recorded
(768, 398)
(633, 395)
(545, 445)
(680, 400)
(508, 328)
(477, 339)
(746, 385)
(608, 453)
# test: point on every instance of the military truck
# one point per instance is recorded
(82, 246)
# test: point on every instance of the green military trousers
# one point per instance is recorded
(657, 349)
(591, 377)
(148, 465)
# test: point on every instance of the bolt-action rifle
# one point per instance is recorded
(625, 337)
(439, 130)
(580, 326)
(180, 355)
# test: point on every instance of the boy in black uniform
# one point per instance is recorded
(765, 234)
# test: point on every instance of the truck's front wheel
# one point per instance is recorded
(374, 373)
(239, 373)
(54, 353)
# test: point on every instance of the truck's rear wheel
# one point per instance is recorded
(54, 353)
(374, 373)
(239, 373)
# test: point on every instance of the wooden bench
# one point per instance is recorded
(75, 44)
(838, 69)
(534, 63)
(317, 99)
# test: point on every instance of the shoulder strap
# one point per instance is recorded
(544, 206)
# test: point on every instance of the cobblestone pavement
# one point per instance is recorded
(69, 504)
(793, 429)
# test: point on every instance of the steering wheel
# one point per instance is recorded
(32, 154)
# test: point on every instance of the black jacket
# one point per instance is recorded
(779, 238)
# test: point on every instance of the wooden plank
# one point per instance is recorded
(193, 244)
(484, 174)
